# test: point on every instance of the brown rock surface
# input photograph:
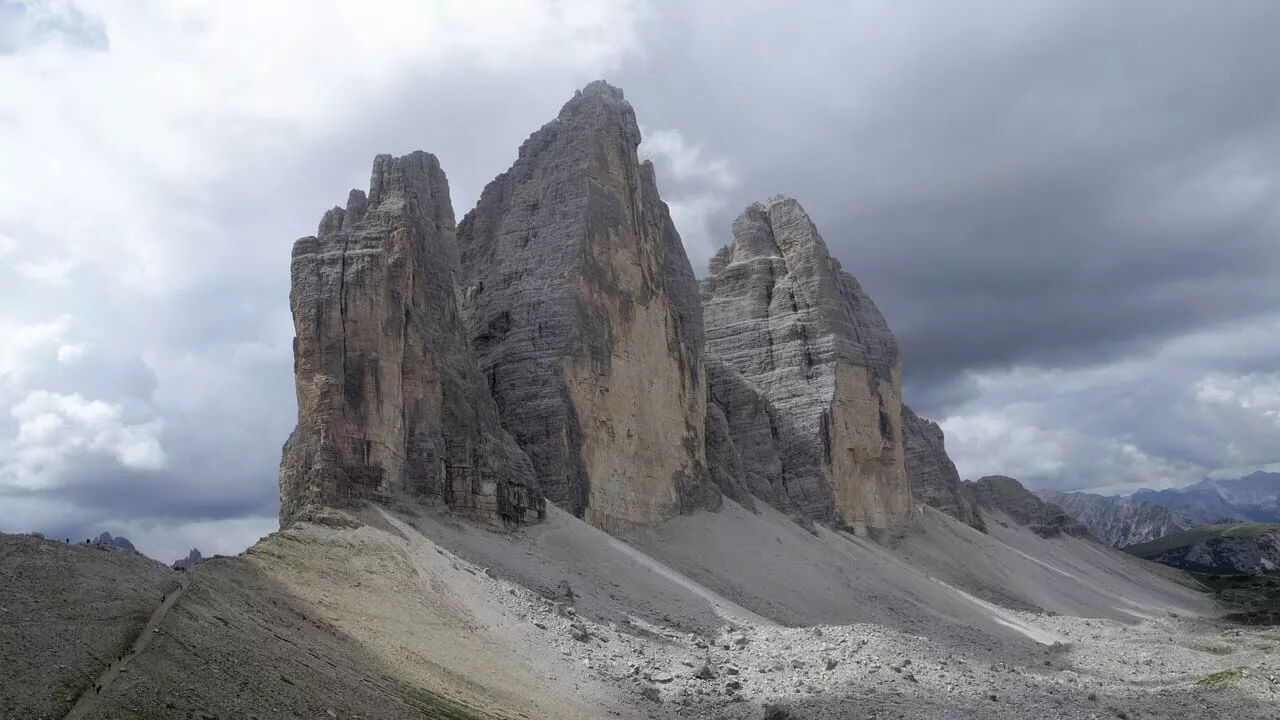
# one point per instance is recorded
(583, 313)
(390, 401)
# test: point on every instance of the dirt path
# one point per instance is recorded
(85, 702)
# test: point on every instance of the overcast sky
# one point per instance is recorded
(1068, 212)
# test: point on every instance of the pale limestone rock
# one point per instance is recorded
(583, 313)
(390, 402)
(933, 477)
(803, 335)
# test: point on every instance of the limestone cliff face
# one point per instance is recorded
(390, 401)
(803, 335)
(933, 477)
(583, 313)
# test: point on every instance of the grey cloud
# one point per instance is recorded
(1053, 184)
(1042, 194)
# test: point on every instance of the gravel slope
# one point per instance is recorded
(713, 615)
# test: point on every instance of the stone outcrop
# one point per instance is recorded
(390, 401)
(1120, 521)
(583, 313)
(933, 477)
(815, 364)
(1002, 494)
(118, 541)
(192, 558)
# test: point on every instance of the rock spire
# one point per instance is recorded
(390, 401)
(813, 374)
(583, 313)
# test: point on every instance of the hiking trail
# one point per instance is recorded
(85, 702)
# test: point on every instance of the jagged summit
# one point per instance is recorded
(583, 313)
(390, 402)
(558, 345)
(1003, 494)
(805, 338)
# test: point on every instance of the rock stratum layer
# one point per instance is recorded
(933, 477)
(810, 387)
(553, 346)
(390, 401)
(583, 313)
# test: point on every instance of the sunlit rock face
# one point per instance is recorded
(812, 376)
(583, 312)
(391, 404)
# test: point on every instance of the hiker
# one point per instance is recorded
(97, 689)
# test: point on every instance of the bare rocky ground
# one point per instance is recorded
(727, 615)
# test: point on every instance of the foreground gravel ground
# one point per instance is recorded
(397, 617)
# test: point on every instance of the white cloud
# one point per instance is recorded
(1165, 419)
(701, 185)
(167, 541)
(54, 272)
(54, 427)
(133, 124)
(26, 345)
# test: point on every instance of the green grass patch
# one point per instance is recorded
(1221, 677)
(1213, 649)
(1199, 535)
(1251, 599)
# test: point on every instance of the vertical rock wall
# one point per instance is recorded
(933, 477)
(807, 341)
(584, 316)
(390, 401)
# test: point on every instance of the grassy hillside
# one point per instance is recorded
(1199, 535)
(1254, 599)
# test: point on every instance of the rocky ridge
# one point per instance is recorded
(1002, 494)
(1119, 521)
(390, 401)
(192, 558)
(118, 541)
(1229, 549)
(811, 374)
(933, 477)
(1253, 498)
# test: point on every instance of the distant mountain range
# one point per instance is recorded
(1150, 514)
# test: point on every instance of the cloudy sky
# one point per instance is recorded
(1068, 211)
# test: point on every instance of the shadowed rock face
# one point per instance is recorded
(390, 401)
(1000, 493)
(583, 313)
(815, 372)
(933, 477)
